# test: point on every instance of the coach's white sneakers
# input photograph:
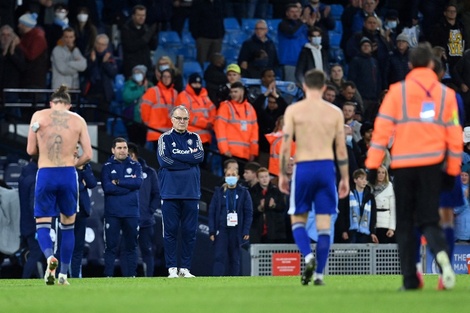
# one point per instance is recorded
(173, 271)
(448, 275)
(184, 272)
(49, 276)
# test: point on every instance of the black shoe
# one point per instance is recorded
(318, 282)
(308, 272)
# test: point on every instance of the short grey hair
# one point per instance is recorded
(102, 36)
(179, 107)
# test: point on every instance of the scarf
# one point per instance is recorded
(316, 54)
(379, 188)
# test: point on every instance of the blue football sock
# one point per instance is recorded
(301, 238)
(66, 246)
(43, 231)
(450, 238)
(323, 250)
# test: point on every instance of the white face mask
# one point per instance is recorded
(391, 24)
(316, 41)
(163, 67)
(231, 180)
(349, 139)
(82, 17)
(61, 15)
(138, 77)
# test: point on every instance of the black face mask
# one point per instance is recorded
(197, 91)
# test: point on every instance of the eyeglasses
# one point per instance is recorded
(181, 119)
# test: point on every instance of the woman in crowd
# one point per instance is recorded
(386, 213)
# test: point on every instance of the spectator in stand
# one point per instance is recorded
(85, 30)
(365, 72)
(390, 25)
(137, 39)
(230, 217)
(364, 144)
(450, 34)
(34, 265)
(348, 93)
(206, 24)
(256, 67)
(397, 64)
(330, 94)
(368, 9)
(249, 173)
(214, 76)
(349, 112)
(292, 35)
(236, 126)
(34, 46)
(54, 31)
(274, 139)
(318, 15)
(386, 211)
(165, 62)
(268, 84)
(461, 75)
(345, 91)
(88, 7)
(86, 180)
(253, 45)
(203, 111)
(269, 106)
(233, 76)
(157, 102)
(134, 88)
(149, 203)
(181, 12)
(311, 56)
(269, 208)
(462, 213)
(67, 62)
(347, 18)
(12, 63)
(100, 73)
(121, 178)
(359, 215)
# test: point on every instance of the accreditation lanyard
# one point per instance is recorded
(227, 194)
(236, 111)
(162, 94)
(427, 91)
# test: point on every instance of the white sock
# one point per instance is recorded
(419, 267)
(309, 257)
(317, 276)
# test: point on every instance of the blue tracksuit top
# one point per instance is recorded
(86, 180)
(179, 155)
(149, 195)
(121, 200)
(26, 187)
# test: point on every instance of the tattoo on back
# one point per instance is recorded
(60, 119)
(55, 149)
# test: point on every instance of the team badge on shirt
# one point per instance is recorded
(128, 170)
(173, 144)
(190, 141)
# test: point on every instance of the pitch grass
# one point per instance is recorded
(348, 294)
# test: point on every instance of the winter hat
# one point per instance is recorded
(364, 40)
(403, 37)
(140, 68)
(365, 127)
(194, 78)
(28, 19)
(234, 68)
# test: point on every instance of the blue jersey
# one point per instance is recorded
(56, 192)
(313, 183)
(179, 156)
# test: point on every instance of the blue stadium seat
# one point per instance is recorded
(115, 127)
(186, 25)
(237, 39)
(336, 11)
(335, 39)
(248, 25)
(190, 67)
(189, 52)
(231, 24)
(169, 38)
(230, 54)
(338, 27)
(187, 38)
(272, 25)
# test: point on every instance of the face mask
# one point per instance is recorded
(349, 139)
(316, 41)
(163, 67)
(391, 24)
(197, 91)
(61, 15)
(231, 180)
(82, 17)
(138, 77)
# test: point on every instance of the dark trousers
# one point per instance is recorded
(34, 266)
(112, 230)
(146, 244)
(227, 251)
(77, 256)
(417, 201)
(179, 214)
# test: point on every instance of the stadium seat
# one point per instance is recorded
(189, 52)
(237, 39)
(272, 25)
(186, 25)
(187, 38)
(231, 24)
(230, 54)
(336, 11)
(115, 127)
(248, 25)
(338, 27)
(190, 67)
(12, 173)
(335, 39)
(169, 38)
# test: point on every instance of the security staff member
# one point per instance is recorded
(421, 114)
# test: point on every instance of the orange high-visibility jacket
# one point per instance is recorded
(202, 112)
(236, 129)
(155, 108)
(422, 116)
(275, 140)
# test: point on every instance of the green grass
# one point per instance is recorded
(348, 294)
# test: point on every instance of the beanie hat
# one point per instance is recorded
(365, 127)
(403, 37)
(140, 68)
(234, 68)
(364, 40)
(28, 19)
(194, 78)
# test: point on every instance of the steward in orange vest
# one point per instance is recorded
(236, 126)
(274, 139)
(202, 111)
(157, 103)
